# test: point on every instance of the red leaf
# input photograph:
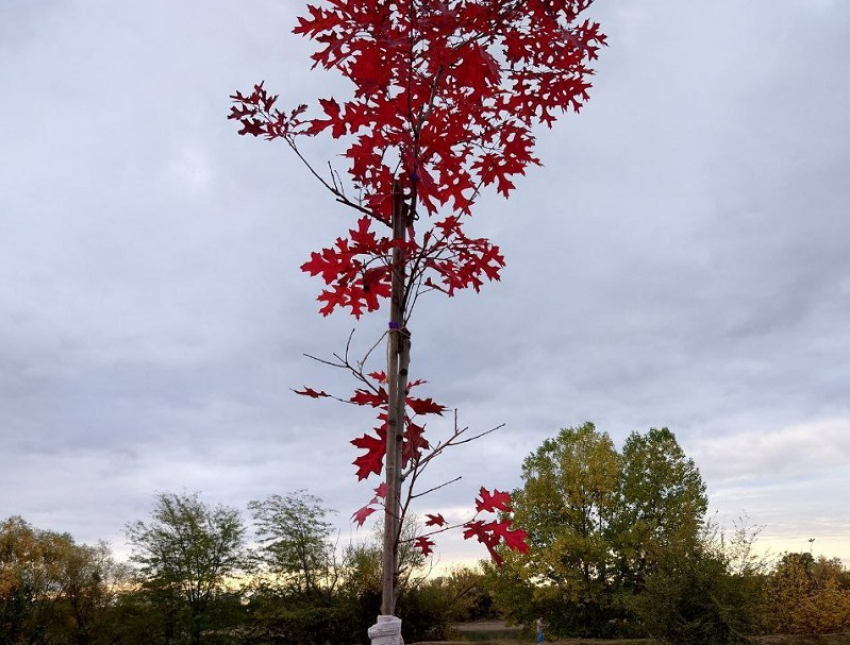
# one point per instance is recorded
(435, 520)
(514, 539)
(425, 406)
(328, 263)
(485, 533)
(424, 544)
(365, 397)
(414, 443)
(497, 501)
(373, 460)
(331, 108)
(360, 515)
(311, 393)
(492, 533)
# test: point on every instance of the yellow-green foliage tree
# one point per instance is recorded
(27, 572)
(597, 521)
(807, 595)
(53, 590)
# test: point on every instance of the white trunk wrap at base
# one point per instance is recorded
(387, 631)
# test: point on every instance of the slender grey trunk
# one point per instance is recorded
(398, 360)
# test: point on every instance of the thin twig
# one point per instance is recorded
(435, 488)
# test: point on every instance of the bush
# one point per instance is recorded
(804, 595)
(691, 598)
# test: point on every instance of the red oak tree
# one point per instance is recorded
(445, 96)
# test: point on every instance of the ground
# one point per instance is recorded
(487, 633)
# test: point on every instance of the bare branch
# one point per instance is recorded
(334, 189)
(436, 488)
(325, 361)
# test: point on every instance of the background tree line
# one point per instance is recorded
(620, 545)
(198, 575)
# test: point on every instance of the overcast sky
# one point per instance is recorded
(682, 259)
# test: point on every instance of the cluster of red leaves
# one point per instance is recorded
(446, 93)
(414, 444)
(375, 396)
(360, 515)
(490, 533)
(357, 269)
(498, 531)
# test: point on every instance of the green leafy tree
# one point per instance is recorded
(661, 502)
(567, 505)
(362, 562)
(294, 597)
(597, 521)
(295, 541)
(342, 609)
(185, 552)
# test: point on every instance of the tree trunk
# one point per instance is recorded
(398, 359)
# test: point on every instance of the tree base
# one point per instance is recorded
(387, 631)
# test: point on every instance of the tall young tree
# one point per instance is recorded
(444, 100)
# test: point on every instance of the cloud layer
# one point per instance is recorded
(682, 259)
